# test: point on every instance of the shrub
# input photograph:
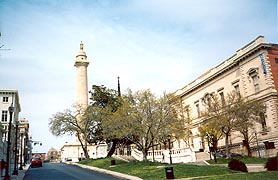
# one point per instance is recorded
(237, 165)
(272, 164)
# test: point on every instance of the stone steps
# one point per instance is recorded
(202, 156)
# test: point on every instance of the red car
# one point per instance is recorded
(36, 162)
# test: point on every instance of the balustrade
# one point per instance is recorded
(178, 155)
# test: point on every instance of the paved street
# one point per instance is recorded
(58, 171)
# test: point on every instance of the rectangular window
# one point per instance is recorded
(5, 99)
(221, 94)
(4, 136)
(237, 89)
(198, 109)
(4, 116)
(262, 117)
(187, 113)
(209, 101)
(256, 83)
(276, 60)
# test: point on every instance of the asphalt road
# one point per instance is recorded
(61, 171)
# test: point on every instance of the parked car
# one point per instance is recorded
(36, 162)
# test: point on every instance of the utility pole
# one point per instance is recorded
(15, 172)
(7, 176)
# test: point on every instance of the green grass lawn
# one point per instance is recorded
(245, 159)
(156, 171)
(265, 175)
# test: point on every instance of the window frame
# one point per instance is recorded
(4, 117)
(235, 84)
(5, 99)
(197, 105)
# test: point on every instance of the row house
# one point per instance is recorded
(9, 109)
(251, 72)
(24, 140)
(20, 143)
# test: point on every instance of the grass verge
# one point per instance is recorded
(245, 159)
(156, 171)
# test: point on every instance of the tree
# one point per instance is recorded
(72, 122)
(212, 133)
(103, 97)
(143, 119)
(231, 114)
(247, 112)
(184, 115)
(105, 101)
(222, 111)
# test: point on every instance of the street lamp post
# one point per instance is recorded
(170, 153)
(24, 151)
(257, 144)
(7, 176)
(15, 172)
(21, 144)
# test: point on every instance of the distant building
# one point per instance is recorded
(40, 155)
(252, 72)
(24, 139)
(74, 152)
(8, 98)
(53, 155)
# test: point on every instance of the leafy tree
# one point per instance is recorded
(214, 117)
(222, 111)
(247, 113)
(184, 129)
(103, 97)
(105, 101)
(72, 122)
(212, 133)
(143, 119)
(232, 114)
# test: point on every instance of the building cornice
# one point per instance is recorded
(12, 91)
(232, 62)
(81, 63)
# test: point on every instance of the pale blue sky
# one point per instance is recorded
(161, 45)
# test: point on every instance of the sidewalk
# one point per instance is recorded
(21, 173)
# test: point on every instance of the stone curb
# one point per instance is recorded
(113, 173)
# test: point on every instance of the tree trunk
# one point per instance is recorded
(113, 148)
(248, 149)
(227, 145)
(215, 143)
(145, 153)
(246, 138)
(84, 147)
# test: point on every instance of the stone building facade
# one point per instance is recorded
(8, 98)
(253, 72)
